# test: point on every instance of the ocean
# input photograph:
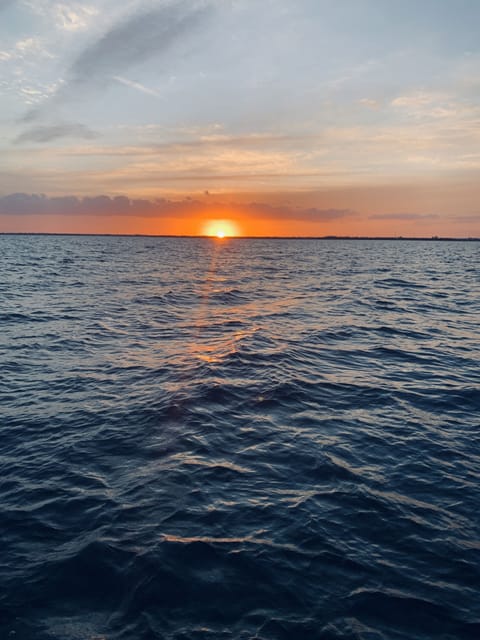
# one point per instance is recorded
(240, 439)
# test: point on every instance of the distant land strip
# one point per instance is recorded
(159, 235)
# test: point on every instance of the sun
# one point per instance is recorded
(220, 229)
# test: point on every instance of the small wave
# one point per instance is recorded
(19, 317)
(226, 296)
(402, 284)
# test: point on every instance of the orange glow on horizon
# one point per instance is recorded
(247, 225)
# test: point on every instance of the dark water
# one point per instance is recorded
(239, 439)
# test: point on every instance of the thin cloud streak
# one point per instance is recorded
(471, 218)
(137, 86)
(404, 216)
(310, 214)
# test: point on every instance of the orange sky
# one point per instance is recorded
(424, 208)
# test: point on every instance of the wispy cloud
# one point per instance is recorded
(67, 16)
(48, 133)
(5, 3)
(25, 49)
(370, 103)
(414, 100)
(74, 18)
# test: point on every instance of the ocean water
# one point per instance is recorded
(239, 439)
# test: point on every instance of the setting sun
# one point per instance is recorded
(220, 228)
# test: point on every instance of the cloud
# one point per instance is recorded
(47, 133)
(5, 3)
(467, 219)
(74, 18)
(419, 99)
(137, 38)
(404, 216)
(310, 214)
(70, 15)
(28, 48)
(28, 204)
(102, 205)
(370, 103)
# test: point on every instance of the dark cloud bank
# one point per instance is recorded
(35, 204)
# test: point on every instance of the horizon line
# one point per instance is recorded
(226, 238)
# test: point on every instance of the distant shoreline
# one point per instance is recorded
(143, 235)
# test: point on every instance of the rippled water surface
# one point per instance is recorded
(269, 439)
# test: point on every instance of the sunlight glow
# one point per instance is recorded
(220, 228)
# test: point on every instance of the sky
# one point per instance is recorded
(271, 117)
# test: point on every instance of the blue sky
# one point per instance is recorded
(366, 105)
